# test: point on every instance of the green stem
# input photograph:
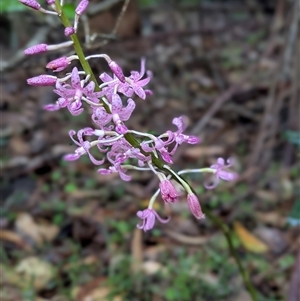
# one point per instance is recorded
(226, 231)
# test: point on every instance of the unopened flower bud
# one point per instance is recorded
(42, 80)
(39, 48)
(117, 70)
(31, 3)
(69, 31)
(168, 191)
(58, 64)
(194, 206)
(81, 7)
(51, 2)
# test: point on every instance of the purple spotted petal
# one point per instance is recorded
(126, 112)
(75, 79)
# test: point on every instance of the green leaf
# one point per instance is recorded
(293, 137)
(69, 10)
(294, 219)
(171, 294)
(70, 187)
(287, 261)
(12, 6)
(55, 175)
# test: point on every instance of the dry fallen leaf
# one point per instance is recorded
(38, 232)
(94, 291)
(89, 260)
(14, 238)
(35, 271)
(272, 218)
(185, 239)
(101, 294)
(249, 241)
(267, 195)
(19, 146)
(151, 267)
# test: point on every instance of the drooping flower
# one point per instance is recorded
(194, 206)
(168, 191)
(220, 173)
(148, 216)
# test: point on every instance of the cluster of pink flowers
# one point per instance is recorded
(111, 104)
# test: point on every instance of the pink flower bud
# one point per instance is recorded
(81, 7)
(194, 206)
(117, 70)
(168, 191)
(58, 64)
(31, 3)
(51, 2)
(42, 80)
(40, 48)
(69, 31)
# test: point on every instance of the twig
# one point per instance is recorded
(101, 7)
(268, 121)
(219, 101)
(113, 34)
(189, 240)
(121, 15)
(291, 41)
(19, 56)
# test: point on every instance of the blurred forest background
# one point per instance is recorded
(68, 233)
